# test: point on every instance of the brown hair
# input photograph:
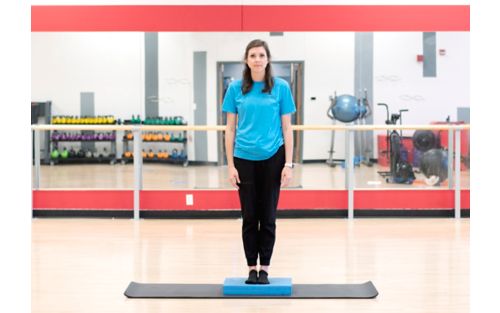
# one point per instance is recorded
(247, 83)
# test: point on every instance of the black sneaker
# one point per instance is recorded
(263, 278)
(252, 278)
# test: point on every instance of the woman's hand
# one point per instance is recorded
(286, 176)
(233, 177)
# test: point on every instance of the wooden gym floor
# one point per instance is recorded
(85, 265)
(314, 176)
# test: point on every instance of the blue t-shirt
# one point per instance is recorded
(258, 133)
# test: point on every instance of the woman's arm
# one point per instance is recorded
(229, 142)
(286, 125)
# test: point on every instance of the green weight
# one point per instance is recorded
(54, 154)
(64, 154)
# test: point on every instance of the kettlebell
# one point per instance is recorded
(64, 153)
(54, 154)
(80, 154)
(175, 154)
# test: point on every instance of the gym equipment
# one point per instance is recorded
(433, 161)
(175, 154)
(80, 154)
(347, 109)
(105, 153)
(151, 154)
(64, 153)
(236, 286)
(55, 136)
(434, 165)
(300, 291)
(130, 136)
(182, 155)
(424, 140)
(54, 154)
(401, 172)
(72, 153)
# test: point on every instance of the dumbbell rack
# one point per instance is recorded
(155, 159)
(111, 159)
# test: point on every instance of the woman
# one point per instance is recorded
(259, 152)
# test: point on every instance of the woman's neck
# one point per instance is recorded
(258, 77)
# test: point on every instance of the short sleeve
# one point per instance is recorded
(287, 105)
(229, 105)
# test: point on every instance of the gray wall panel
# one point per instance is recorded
(429, 45)
(200, 98)
(151, 74)
(87, 108)
(363, 79)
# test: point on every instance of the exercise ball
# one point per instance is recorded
(434, 165)
(346, 108)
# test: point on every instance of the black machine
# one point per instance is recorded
(434, 159)
(401, 171)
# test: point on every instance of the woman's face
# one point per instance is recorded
(257, 59)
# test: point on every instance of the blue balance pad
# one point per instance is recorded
(277, 287)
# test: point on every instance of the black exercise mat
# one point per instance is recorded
(299, 291)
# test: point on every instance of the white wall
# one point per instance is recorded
(112, 66)
(399, 81)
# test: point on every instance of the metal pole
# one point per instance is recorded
(457, 173)
(346, 158)
(137, 170)
(450, 158)
(350, 174)
(36, 180)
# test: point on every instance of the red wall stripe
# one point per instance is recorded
(409, 199)
(144, 18)
(83, 199)
(357, 18)
(176, 199)
(251, 18)
(465, 199)
(228, 200)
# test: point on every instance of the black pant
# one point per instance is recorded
(259, 193)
